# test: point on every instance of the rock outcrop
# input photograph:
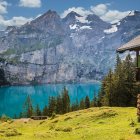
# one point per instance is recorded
(50, 49)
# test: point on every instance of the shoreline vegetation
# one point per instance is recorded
(39, 84)
(60, 104)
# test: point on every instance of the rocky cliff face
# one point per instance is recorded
(50, 49)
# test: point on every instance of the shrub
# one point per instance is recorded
(53, 115)
(65, 129)
(55, 121)
(5, 118)
(12, 133)
(68, 118)
(132, 123)
(138, 118)
(137, 131)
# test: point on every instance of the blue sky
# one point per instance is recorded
(17, 12)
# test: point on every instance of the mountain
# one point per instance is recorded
(51, 49)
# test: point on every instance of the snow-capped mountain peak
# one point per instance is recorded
(72, 49)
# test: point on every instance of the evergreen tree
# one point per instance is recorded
(130, 72)
(75, 106)
(37, 110)
(20, 115)
(117, 87)
(52, 106)
(45, 111)
(118, 63)
(87, 102)
(94, 101)
(82, 104)
(108, 89)
(130, 78)
(59, 105)
(28, 107)
(102, 92)
(66, 101)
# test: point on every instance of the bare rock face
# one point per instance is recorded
(50, 49)
(35, 57)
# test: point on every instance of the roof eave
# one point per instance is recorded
(130, 48)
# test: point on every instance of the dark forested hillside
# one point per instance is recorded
(119, 87)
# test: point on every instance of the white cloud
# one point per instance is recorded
(3, 7)
(30, 3)
(15, 21)
(112, 16)
(80, 10)
(102, 10)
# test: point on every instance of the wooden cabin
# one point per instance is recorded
(39, 117)
(133, 45)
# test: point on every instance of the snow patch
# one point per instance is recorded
(85, 27)
(77, 27)
(74, 27)
(111, 30)
(118, 23)
(132, 13)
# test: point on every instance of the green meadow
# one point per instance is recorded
(105, 123)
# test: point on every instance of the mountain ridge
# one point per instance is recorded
(51, 49)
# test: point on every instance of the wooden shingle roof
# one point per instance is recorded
(134, 44)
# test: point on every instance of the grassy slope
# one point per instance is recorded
(91, 124)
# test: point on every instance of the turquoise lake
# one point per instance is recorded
(12, 98)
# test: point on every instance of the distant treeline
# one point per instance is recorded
(57, 105)
(119, 87)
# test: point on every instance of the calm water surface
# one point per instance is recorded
(12, 98)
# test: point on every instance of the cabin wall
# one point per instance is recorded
(138, 74)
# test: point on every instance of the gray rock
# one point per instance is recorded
(52, 50)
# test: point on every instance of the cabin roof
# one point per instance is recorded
(132, 45)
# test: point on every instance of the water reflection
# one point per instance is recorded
(12, 98)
